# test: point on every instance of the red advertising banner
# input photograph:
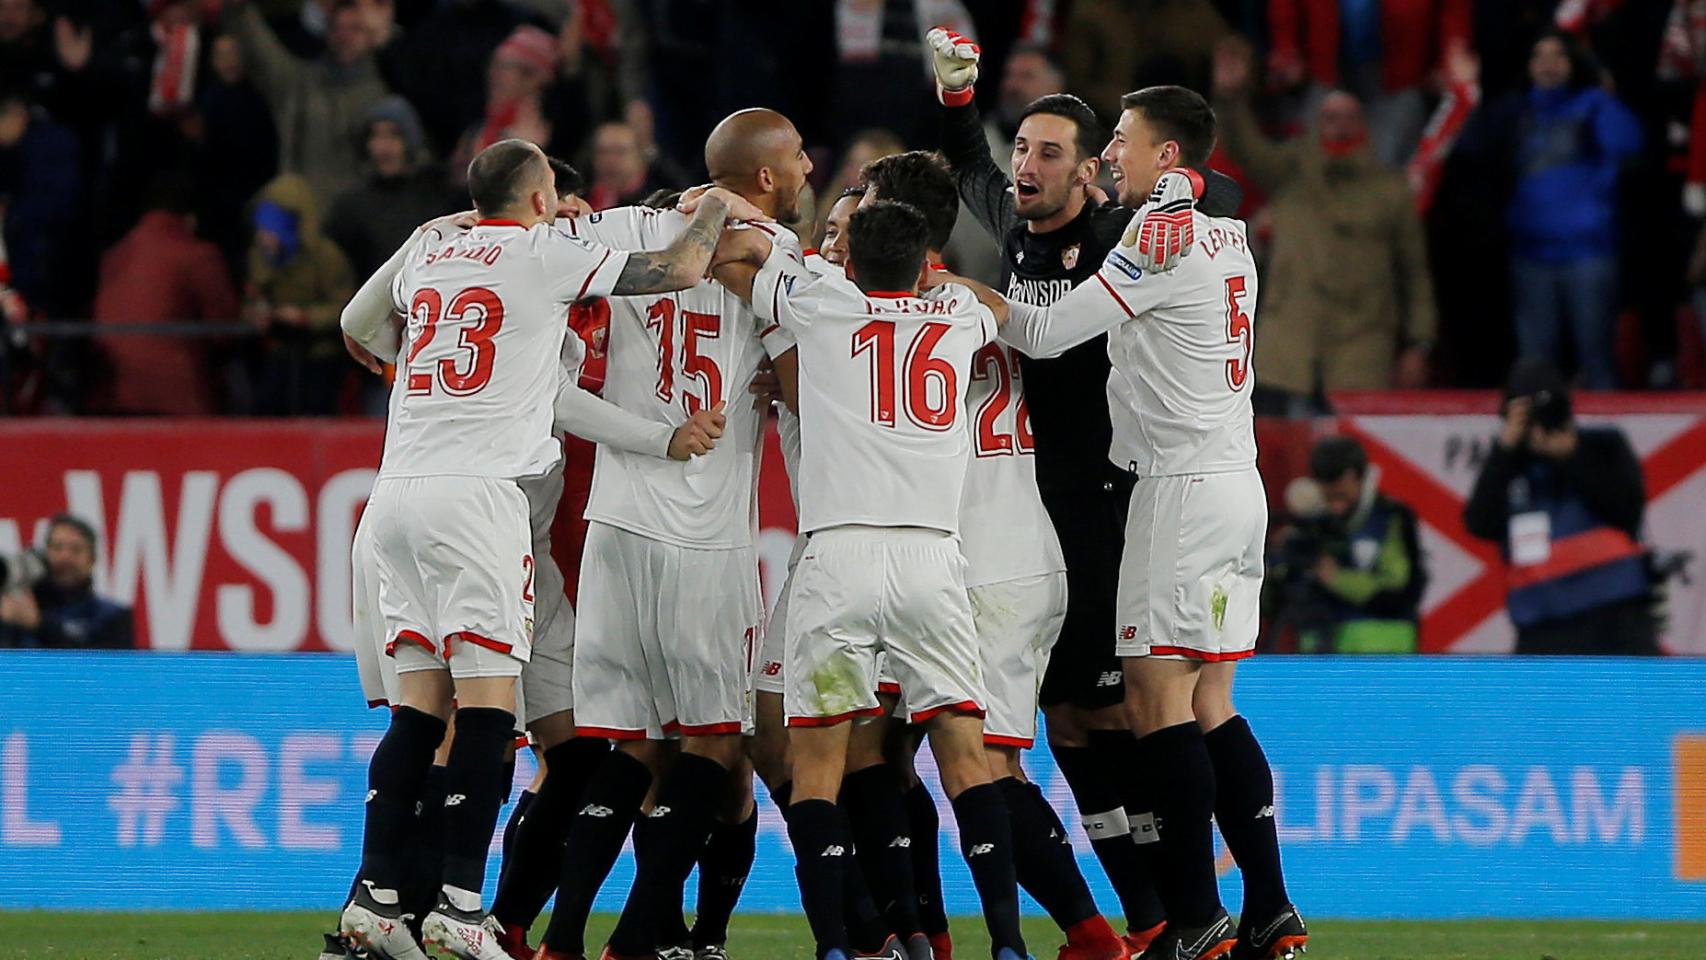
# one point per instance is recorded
(235, 534)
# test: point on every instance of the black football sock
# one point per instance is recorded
(473, 795)
(926, 866)
(866, 929)
(421, 888)
(986, 841)
(396, 781)
(600, 825)
(1244, 808)
(882, 840)
(1122, 832)
(722, 874)
(818, 830)
(686, 804)
(1177, 758)
(517, 813)
(532, 867)
(1042, 855)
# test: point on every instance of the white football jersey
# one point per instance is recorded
(481, 356)
(883, 378)
(787, 422)
(1180, 344)
(671, 355)
(1005, 533)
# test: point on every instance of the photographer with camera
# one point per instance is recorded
(1564, 503)
(1348, 575)
(47, 597)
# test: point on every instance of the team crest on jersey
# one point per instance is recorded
(1125, 266)
(1069, 256)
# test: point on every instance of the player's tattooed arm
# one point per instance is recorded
(682, 264)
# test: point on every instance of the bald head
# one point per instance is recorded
(758, 154)
(512, 178)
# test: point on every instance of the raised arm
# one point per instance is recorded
(983, 185)
(682, 264)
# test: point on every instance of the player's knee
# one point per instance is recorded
(552, 730)
(725, 748)
(1003, 762)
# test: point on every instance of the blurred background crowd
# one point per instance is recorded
(191, 188)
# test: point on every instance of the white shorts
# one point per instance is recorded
(455, 570)
(378, 672)
(1191, 575)
(547, 682)
(1018, 622)
(773, 652)
(863, 590)
(665, 640)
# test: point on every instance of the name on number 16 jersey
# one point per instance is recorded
(479, 364)
(1179, 343)
(882, 391)
(669, 356)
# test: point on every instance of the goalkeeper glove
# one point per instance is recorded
(1166, 231)
(954, 58)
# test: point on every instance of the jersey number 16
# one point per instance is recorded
(930, 386)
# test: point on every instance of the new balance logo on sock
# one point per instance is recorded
(1265, 812)
(370, 795)
(1110, 678)
(833, 850)
(981, 849)
(659, 811)
(594, 810)
(454, 799)
(901, 843)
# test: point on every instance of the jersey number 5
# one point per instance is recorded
(462, 375)
(1237, 332)
(931, 383)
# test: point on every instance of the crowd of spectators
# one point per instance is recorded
(1435, 186)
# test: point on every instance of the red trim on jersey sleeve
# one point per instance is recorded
(1115, 294)
(468, 636)
(609, 733)
(966, 707)
(834, 719)
(592, 274)
(809, 252)
(769, 330)
(1203, 655)
(997, 740)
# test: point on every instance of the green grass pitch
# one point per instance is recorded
(295, 936)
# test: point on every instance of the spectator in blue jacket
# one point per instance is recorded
(40, 203)
(1568, 140)
(61, 611)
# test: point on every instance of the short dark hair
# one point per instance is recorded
(498, 174)
(1088, 136)
(76, 523)
(922, 179)
(568, 179)
(1333, 456)
(1179, 114)
(856, 191)
(886, 241)
(662, 198)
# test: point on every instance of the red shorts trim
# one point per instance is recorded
(997, 740)
(468, 636)
(412, 637)
(520, 742)
(708, 729)
(888, 686)
(833, 720)
(609, 733)
(1202, 655)
(967, 707)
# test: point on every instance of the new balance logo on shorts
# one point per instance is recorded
(594, 810)
(981, 849)
(1128, 632)
(772, 668)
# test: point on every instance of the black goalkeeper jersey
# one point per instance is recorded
(1067, 395)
